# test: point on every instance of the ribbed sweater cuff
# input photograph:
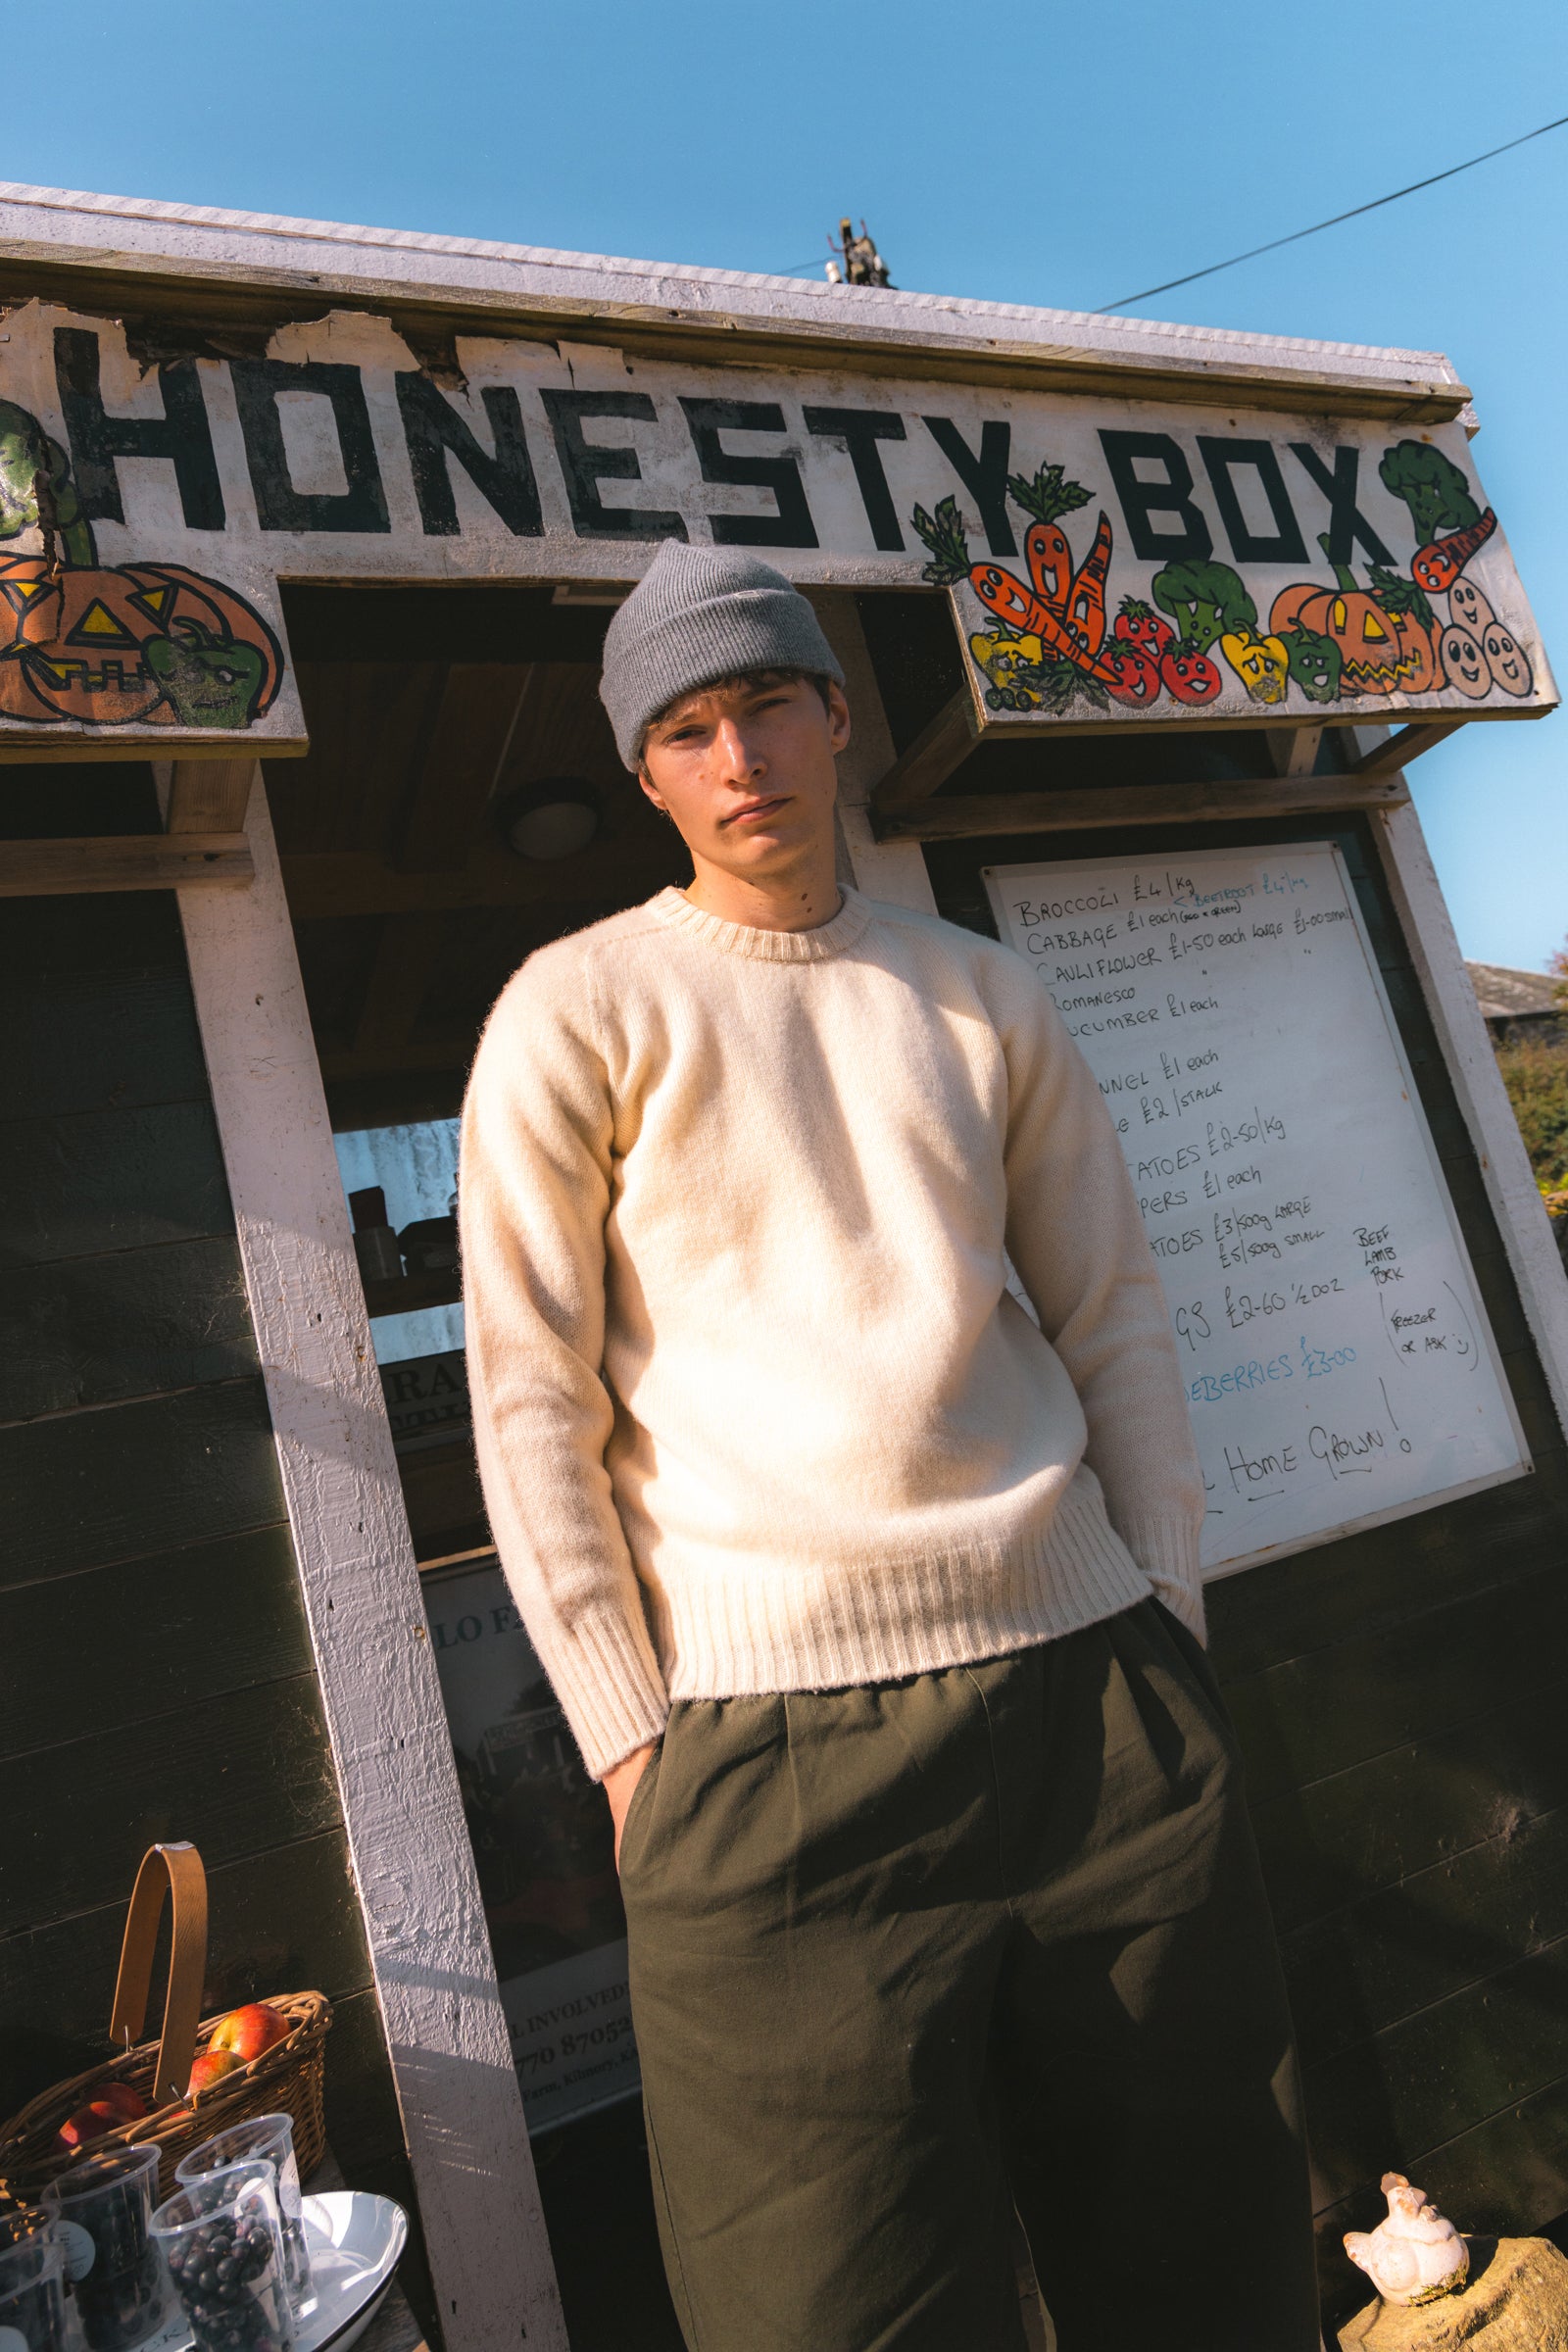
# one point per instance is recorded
(612, 1702)
(1167, 1551)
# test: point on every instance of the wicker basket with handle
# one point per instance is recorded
(284, 2080)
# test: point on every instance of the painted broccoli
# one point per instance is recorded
(1430, 486)
(35, 487)
(1207, 600)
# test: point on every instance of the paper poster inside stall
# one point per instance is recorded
(543, 1843)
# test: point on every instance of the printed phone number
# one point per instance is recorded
(574, 2045)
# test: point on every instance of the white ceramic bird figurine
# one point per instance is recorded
(1415, 2255)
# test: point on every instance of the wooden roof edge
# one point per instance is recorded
(86, 236)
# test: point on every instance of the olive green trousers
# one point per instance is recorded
(909, 1958)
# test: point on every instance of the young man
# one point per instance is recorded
(875, 1604)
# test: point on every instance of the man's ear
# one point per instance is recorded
(652, 790)
(838, 718)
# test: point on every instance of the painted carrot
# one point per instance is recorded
(1086, 599)
(1001, 591)
(1048, 497)
(1438, 566)
(1006, 596)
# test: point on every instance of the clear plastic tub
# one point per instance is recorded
(32, 2301)
(268, 2138)
(102, 2212)
(221, 2240)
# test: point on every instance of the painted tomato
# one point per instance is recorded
(1507, 665)
(1140, 626)
(1136, 679)
(1191, 677)
(1465, 661)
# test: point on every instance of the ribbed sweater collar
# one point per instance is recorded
(816, 946)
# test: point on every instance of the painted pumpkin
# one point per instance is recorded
(1260, 663)
(149, 644)
(1507, 665)
(223, 612)
(1469, 607)
(1189, 676)
(1136, 673)
(1464, 663)
(30, 600)
(1285, 611)
(1420, 653)
(1374, 655)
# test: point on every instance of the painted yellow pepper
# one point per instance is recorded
(1001, 656)
(1260, 663)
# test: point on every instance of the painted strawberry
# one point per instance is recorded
(1140, 626)
(1137, 672)
(1191, 676)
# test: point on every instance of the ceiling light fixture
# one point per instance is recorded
(553, 818)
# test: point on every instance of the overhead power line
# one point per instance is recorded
(1356, 210)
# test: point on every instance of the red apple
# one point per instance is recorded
(249, 2031)
(211, 2067)
(129, 2101)
(90, 2123)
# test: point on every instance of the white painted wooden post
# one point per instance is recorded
(462, 2116)
(1484, 1104)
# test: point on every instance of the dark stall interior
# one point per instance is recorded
(461, 805)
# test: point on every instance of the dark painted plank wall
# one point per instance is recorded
(157, 1673)
(1402, 1696)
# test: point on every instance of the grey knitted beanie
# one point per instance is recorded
(700, 614)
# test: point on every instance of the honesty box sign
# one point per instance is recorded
(1111, 561)
(1243, 572)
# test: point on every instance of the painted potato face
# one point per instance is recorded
(1507, 665)
(1464, 663)
(1469, 607)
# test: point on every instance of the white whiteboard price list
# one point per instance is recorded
(1337, 1362)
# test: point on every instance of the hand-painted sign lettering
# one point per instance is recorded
(1109, 560)
(1427, 637)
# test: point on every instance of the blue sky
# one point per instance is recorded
(1036, 154)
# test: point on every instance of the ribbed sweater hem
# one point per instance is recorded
(728, 1633)
(721, 1634)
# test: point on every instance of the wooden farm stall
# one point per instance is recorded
(309, 535)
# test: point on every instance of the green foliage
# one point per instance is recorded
(1396, 593)
(1430, 486)
(1535, 1071)
(1049, 495)
(944, 534)
(1205, 600)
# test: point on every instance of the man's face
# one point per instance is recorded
(746, 773)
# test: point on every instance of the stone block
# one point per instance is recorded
(1515, 2300)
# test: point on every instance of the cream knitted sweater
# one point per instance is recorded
(754, 1409)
